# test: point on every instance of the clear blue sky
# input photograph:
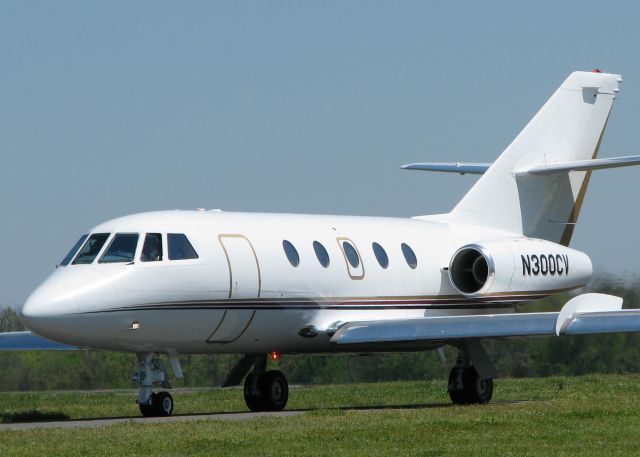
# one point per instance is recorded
(111, 108)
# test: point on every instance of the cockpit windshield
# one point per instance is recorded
(179, 247)
(122, 248)
(91, 248)
(73, 251)
(152, 248)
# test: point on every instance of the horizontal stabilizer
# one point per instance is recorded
(538, 169)
(452, 167)
(27, 341)
(584, 314)
(580, 165)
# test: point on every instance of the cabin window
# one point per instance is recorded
(321, 254)
(152, 248)
(179, 247)
(381, 255)
(122, 249)
(91, 248)
(351, 253)
(291, 252)
(409, 256)
(73, 251)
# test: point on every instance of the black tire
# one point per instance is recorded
(459, 394)
(252, 394)
(275, 390)
(478, 389)
(146, 410)
(162, 404)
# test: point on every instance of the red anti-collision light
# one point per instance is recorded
(596, 70)
(275, 355)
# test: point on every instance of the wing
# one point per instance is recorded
(27, 341)
(582, 315)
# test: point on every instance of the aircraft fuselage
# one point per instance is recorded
(242, 294)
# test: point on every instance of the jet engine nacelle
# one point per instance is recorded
(517, 266)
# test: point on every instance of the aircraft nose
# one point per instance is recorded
(46, 303)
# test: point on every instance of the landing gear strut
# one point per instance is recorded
(265, 390)
(466, 386)
(151, 371)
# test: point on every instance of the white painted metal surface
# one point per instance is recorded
(586, 303)
(244, 270)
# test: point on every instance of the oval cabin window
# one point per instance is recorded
(381, 255)
(291, 253)
(409, 256)
(321, 254)
(351, 253)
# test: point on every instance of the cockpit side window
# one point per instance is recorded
(179, 247)
(91, 248)
(152, 248)
(122, 249)
(73, 251)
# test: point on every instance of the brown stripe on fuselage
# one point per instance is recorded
(426, 302)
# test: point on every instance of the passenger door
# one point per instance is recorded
(244, 284)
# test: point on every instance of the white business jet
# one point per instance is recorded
(195, 282)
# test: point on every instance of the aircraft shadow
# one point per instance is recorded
(32, 416)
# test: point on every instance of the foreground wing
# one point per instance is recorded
(27, 341)
(585, 314)
(446, 328)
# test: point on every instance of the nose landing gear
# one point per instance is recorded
(151, 371)
(160, 405)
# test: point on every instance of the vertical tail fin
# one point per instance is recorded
(569, 127)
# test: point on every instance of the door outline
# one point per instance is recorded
(226, 255)
(339, 240)
(244, 328)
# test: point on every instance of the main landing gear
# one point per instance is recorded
(265, 390)
(151, 371)
(466, 385)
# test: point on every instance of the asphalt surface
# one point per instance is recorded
(105, 422)
(89, 423)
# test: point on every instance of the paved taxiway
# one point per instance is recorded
(88, 423)
(104, 422)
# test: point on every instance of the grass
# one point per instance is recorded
(586, 416)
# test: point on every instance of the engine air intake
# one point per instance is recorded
(469, 270)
